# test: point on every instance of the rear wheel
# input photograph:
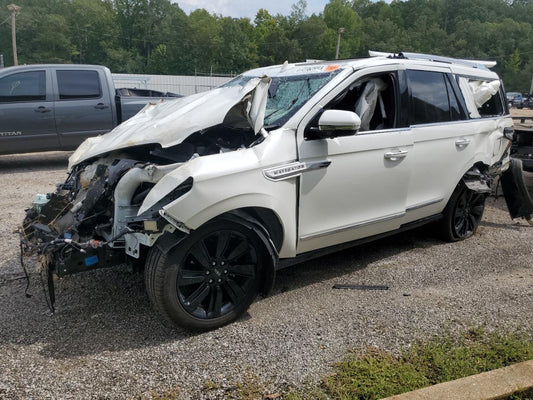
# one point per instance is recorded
(462, 214)
(209, 279)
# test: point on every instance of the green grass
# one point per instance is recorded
(527, 395)
(374, 374)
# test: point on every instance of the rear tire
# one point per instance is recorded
(209, 279)
(462, 214)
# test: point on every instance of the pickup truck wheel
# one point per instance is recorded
(209, 279)
(462, 214)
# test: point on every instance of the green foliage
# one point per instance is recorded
(156, 36)
(375, 374)
(527, 395)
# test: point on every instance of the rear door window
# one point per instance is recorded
(74, 84)
(429, 97)
(23, 86)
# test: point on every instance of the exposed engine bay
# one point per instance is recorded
(91, 220)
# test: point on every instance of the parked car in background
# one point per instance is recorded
(515, 99)
(56, 107)
(528, 101)
(216, 191)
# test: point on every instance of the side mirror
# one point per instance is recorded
(335, 123)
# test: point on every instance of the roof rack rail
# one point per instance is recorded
(429, 57)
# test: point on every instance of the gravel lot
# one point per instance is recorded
(105, 342)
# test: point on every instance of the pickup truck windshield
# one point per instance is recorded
(287, 94)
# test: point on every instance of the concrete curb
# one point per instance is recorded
(491, 385)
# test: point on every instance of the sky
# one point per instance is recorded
(248, 8)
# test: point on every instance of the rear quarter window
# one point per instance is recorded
(484, 98)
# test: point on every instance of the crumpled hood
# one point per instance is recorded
(168, 123)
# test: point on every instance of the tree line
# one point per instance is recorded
(158, 37)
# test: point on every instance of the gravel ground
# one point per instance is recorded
(104, 342)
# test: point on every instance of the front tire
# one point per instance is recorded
(209, 279)
(462, 214)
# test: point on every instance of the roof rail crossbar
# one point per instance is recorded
(429, 57)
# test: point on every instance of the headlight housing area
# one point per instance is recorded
(173, 195)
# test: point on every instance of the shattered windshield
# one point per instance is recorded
(288, 94)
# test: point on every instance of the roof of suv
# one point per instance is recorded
(466, 67)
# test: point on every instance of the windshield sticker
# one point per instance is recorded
(330, 68)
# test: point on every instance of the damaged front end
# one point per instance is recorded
(91, 220)
(99, 218)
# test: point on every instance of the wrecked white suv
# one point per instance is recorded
(214, 192)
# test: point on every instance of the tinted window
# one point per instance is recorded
(429, 97)
(23, 86)
(78, 84)
(456, 111)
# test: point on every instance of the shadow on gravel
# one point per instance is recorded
(34, 161)
(108, 310)
(96, 312)
(507, 225)
(347, 261)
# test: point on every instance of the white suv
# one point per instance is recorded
(218, 190)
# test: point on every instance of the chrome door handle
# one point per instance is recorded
(461, 143)
(396, 155)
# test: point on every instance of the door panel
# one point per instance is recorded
(83, 106)
(361, 193)
(363, 190)
(440, 155)
(26, 113)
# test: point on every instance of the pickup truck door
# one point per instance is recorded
(83, 105)
(27, 112)
(355, 186)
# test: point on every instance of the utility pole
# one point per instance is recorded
(14, 10)
(339, 33)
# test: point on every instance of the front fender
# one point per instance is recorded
(210, 198)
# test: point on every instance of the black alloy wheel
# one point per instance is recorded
(217, 274)
(467, 214)
(209, 279)
(462, 214)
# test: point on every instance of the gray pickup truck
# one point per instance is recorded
(56, 107)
